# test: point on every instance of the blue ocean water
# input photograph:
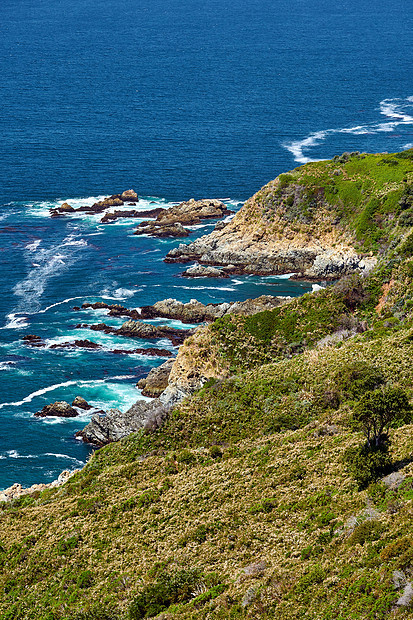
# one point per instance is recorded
(176, 99)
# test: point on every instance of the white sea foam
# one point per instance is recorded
(64, 301)
(398, 109)
(50, 262)
(32, 247)
(64, 456)
(15, 321)
(13, 454)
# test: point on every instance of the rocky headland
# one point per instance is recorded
(274, 234)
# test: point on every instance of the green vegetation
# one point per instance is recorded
(262, 496)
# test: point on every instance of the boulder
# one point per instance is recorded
(129, 195)
(60, 409)
(81, 403)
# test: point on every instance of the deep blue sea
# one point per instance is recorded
(176, 99)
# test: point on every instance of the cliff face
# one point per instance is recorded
(321, 221)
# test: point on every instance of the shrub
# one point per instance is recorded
(366, 532)
(366, 465)
(357, 378)
(215, 452)
(378, 411)
(169, 588)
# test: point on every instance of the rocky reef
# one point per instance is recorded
(156, 381)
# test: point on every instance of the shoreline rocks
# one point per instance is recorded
(262, 243)
(156, 381)
(16, 490)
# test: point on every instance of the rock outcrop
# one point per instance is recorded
(196, 312)
(116, 200)
(81, 403)
(204, 271)
(156, 381)
(60, 409)
(278, 239)
(158, 229)
(138, 329)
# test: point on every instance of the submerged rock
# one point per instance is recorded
(60, 409)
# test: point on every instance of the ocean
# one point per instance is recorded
(176, 99)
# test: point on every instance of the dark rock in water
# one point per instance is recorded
(60, 408)
(114, 309)
(66, 208)
(31, 338)
(83, 344)
(204, 271)
(112, 216)
(156, 381)
(154, 229)
(150, 351)
(81, 403)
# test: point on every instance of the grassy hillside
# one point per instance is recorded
(243, 505)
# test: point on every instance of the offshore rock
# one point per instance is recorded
(156, 229)
(129, 195)
(200, 271)
(194, 211)
(81, 403)
(156, 381)
(112, 216)
(60, 409)
(138, 329)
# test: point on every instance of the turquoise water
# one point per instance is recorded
(176, 99)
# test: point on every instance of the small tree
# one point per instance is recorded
(379, 410)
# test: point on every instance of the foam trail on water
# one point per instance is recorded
(49, 263)
(399, 110)
(59, 303)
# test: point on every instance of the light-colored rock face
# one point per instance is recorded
(254, 244)
(193, 211)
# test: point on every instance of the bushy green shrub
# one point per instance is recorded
(366, 465)
(366, 532)
(169, 588)
(215, 452)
